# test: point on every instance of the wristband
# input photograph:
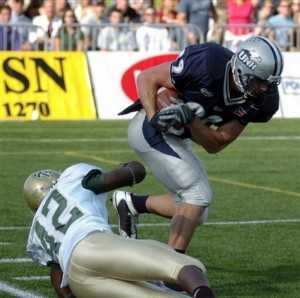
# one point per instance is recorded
(132, 174)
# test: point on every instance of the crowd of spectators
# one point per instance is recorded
(144, 25)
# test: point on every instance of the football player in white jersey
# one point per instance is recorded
(70, 233)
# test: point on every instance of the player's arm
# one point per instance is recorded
(149, 81)
(126, 174)
(56, 275)
(213, 140)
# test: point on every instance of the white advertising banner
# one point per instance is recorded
(114, 81)
(290, 87)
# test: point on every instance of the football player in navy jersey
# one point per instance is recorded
(70, 233)
(222, 92)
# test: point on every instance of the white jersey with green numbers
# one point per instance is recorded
(67, 214)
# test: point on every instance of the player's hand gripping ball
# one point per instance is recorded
(166, 98)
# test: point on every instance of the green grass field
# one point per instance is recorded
(251, 243)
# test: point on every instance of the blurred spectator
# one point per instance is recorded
(33, 8)
(240, 12)
(128, 13)
(9, 37)
(218, 27)
(282, 33)
(96, 23)
(85, 14)
(260, 5)
(115, 37)
(47, 27)
(21, 23)
(140, 5)
(196, 13)
(84, 10)
(99, 13)
(221, 9)
(60, 7)
(296, 17)
(150, 37)
(69, 36)
(262, 26)
(295, 10)
(167, 14)
(296, 35)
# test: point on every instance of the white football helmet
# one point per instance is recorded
(256, 66)
(37, 185)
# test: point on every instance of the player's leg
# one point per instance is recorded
(175, 165)
(95, 287)
(109, 256)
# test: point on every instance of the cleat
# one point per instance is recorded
(127, 215)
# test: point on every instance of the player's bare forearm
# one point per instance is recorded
(126, 174)
(213, 141)
(148, 83)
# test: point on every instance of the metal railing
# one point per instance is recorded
(19, 37)
(16, 37)
(286, 37)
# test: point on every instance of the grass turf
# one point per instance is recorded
(251, 244)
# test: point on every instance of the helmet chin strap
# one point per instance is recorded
(241, 85)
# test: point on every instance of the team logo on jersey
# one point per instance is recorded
(179, 68)
(206, 92)
(250, 58)
(240, 112)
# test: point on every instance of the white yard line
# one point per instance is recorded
(16, 260)
(28, 278)
(10, 289)
(105, 140)
(212, 223)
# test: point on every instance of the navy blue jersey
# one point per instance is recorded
(201, 74)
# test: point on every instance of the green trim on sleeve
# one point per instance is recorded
(94, 181)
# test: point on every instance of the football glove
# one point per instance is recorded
(196, 108)
(180, 113)
(175, 131)
(160, 124)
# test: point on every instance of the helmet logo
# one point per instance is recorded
(43, 173)
(250, 58)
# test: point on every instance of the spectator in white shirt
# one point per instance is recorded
(47, 27)
(150, 37)
(114, 37)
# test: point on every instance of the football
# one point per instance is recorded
(166, 97)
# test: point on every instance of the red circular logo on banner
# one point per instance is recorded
(128, 79)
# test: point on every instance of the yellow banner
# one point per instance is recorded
(46, 86)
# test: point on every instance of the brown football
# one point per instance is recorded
(167, 97)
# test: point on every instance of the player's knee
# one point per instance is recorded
(203, 217)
